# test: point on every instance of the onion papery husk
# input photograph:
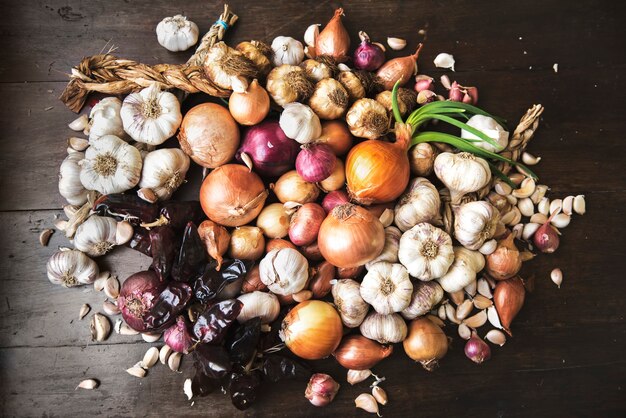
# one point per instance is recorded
(378, 171)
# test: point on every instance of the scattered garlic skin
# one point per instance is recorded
(70, 186)
(71, 268)
(264, 305)
(387, 287)
(287, 51)
(110, 166)
(489, 127)
(96, 236)
(426, 251)
(462, 173)
(176, 33)
(105, 119)
(163, 171)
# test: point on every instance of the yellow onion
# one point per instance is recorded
(508, 298)
(334, 39)
(246, 243)
(209, 135)
(274, 221)
(336, 180)
(350, 236)
(378, 171)
(312, 329)
(337, 136)
(359, 353)
(232, 195)
(290, 187)
(216, 239)
(250, 107)
(398, 69)
(506, 261)
(426, 343)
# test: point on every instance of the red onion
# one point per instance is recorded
(423, 82)
(546, 238)
(335, 198)
(321, 389)
(476, 349)
(368, 56)
(178, 337)
(305, 224)
(315, 162)
(271, 152)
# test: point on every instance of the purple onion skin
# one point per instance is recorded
(178, 336)
(477, 350)
(272, 153)
(315, 162)
(368, 57)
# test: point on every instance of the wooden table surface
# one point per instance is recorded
(568, 354)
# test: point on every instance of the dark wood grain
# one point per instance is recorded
(567, 357)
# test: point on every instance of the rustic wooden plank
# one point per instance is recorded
(47, 38)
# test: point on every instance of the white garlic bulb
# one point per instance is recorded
(164, 171)
(387, 287)
(287, 51)
(350, 305)
(475, 223)
(105, 119)
(462, 173)
(426, 295)
(316, 70)
(70, 186)
(386, 329)
(71, 268)
(151, 115)
(474, 259)
(426, 251)
(299, 122)
(390, 250)
(110, 166)
(419, 203)
(97, 235)
(329, 100)
(176, 33)
(489, 127)
(264, 305)
(460, 274)
(284, 271)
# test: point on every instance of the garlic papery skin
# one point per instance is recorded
(419, 203)
(105, 119)
(110, 166)
(284, 271)
(329, 100)
(71, 268)
(259, 304)
(288, 83)
(229, 68)
(390, 250)
(347, 298)
(176, 33)
(151, 116)
(386, 329)
(387, 287)
(426, 251)
(299, 122)
(96, 236)
(462, 173)
(489, 127)
(463, 270)
(426, 295)
(70, 186)
(287, 51)
(368, 119)
(164, 170)
(475, 223)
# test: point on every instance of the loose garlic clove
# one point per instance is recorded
(464, 331)
(470, 289)
(100, 327)
(150, 358)
(441, 312)
(526, 189)
(464, 309)
(526, 207)
(579, 204)
(173, 362)
(367, 402)
(444, 60)
(311, 34)
(561, 220)
(502, 188)
(78, 144)
(483, 288)
(477, 320)
(187, 389)
(136, 371)
(517, 230)
(496, 337)
(555, 206)
(84, 310)
(380, 395)
(110, 308)
(386, 218)
(539, 218)
(457, 297)
(481, 302)
(529, 230)
(517, 178)
(530, 159)
(112, 287)
(488, 247)
(164, 353)
(79, 123)
(88, 384)
(45, 235)
(557, 277)
(544, 206)
(493, 317)
(568, 204)
(539, 193)
(396, 43)
(357, 376)
(150, 337)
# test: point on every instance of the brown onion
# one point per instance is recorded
(321, 276)
(312, 252)
(508, 298)
(232, 195)
(209, 135)
(350, 236)
(251, 106)
(277, 244)
(506, 261)
(398, 69)
(216, 239)
(252, 282)
(336, 180)
(305, 224)
(337, 136)
(359, 353)
(246, 243)
(274, 221)
(334, 198)
(312, 329)
(334, 39)
(426, 343)
(290, 187)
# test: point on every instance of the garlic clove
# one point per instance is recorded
(529, 230)
(45, 235)
(488, 247)
(100, 327)
(173, 362)
(496, 337)
(123, 233)
(84, 310)
(78, 144)
(457, 297)
(526, 207)
(445, 82)
(477, 320)
(136, 371)
(386, 218)
(493, 317)
(444, 60)
(484, 288)
(79, 123)
(560, 220)
(112, 287)
(539, 218)
(568, 205)
(530, 159)
(367, 402)
(110, 308)
(481, 302)
(357, 376)
(311, 34)
(464, 331)
(150, 337)
(150, 358)
(517, 178)
(556, 276)
(441, 312)
(187, 389)
(579, 204)
(147, 194)
(396, 43)
(88, 384)
(555, 206)
(544, 206)
(164, 353)
(470, 289)
(539, 193)
(527, 188)
(464, 309)
(60, 224)
(380, 395)
(502, 188)
(451, 314)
